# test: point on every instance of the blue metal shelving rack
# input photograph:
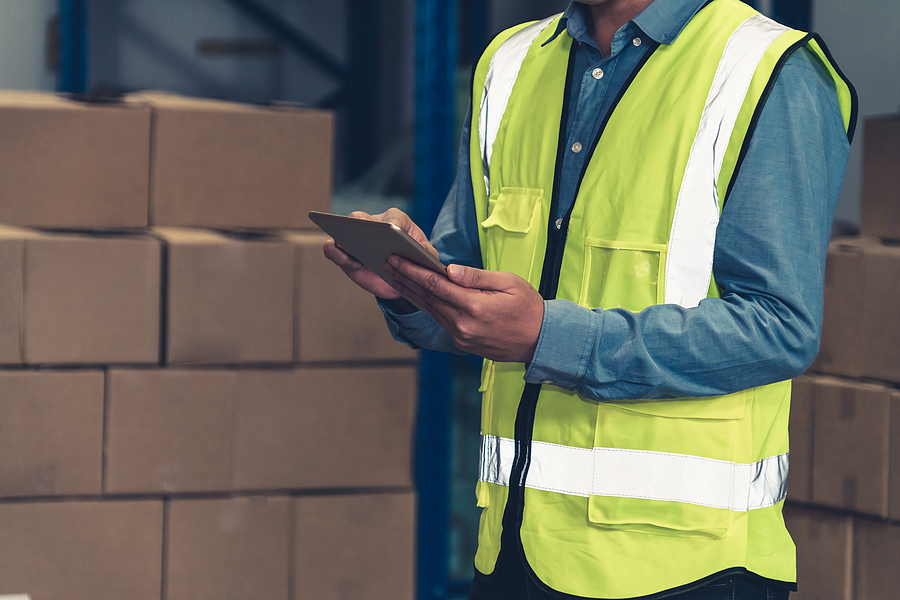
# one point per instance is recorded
(435, 71)
(72, 46)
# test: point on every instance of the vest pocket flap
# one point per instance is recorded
(727, 407)
(658, 516)
(514, 209)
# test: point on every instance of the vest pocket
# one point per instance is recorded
(652, 471)
(510, 230)
(622, 275)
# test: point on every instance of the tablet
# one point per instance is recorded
(372, 242)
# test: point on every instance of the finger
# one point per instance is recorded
(469, 277)
(427, 282)
(335, 254)
(417, 283)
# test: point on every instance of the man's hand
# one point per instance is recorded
(492, 314)
(359, 273)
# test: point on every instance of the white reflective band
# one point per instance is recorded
(640, 474)
(501, 76)
(693, 235)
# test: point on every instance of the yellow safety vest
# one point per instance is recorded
(627, 499)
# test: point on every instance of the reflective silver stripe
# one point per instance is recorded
(693, 234)
(640, 474)
(501, 76)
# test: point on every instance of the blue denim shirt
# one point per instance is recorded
(769, 257)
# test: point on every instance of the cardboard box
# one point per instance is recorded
(91, 299)
(355, 546)
(229, 299)
(860, 326)
(334, 319)
(850, 461)
(800, 430)
(72, 165)
(324, 428)
(12, 295)
(877, 548)
(844, 290)
(879, 332)
(82, 550)
(224, 165)
(824, 554)
(228, 548)
(880, 203)
(52, 442)
(168, 431)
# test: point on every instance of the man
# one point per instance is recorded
(636, 241)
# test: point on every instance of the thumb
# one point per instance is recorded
(472, 278)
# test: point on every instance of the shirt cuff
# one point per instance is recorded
(564, 345)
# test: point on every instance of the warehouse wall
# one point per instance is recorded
(23, 27)
(863, 38)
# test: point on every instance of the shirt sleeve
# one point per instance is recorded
(768, 262)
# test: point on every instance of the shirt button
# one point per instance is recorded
(636, 41)
(576, 147)
(597, 73)
(558, 226)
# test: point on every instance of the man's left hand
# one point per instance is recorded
(489, 313)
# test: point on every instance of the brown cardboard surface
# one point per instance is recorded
(226, 165)
(880, 202)
(168, 430)
(334, 319)
(52, 441)
(12, 294)
(844, 289)
(229, 300)
(879, 332)
(68, 164)
(824, 554)
(800, 430)
(228, 548)
(91, 299)
(894, 459)
(850, 461)
(324, 428)
(356, 546)
(876, 552)
(82, 550)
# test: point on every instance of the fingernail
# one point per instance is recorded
(454, 271)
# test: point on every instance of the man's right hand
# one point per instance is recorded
(360, 274)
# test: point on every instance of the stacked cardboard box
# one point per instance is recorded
(193, 402)
(844, 493)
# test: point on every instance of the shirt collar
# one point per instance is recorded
(662, 20)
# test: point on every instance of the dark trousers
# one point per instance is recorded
(510, 582)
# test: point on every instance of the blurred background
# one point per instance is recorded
(393, 77)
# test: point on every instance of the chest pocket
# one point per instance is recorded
(622, 275)
(511, 229)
